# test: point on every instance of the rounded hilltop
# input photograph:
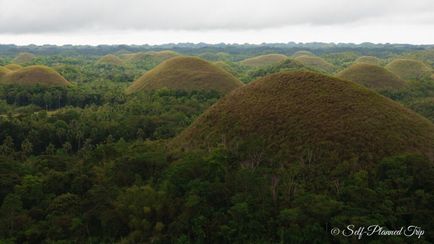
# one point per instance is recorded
(34, 75)
(23, 58)
(409, 69)
(264, 60)
(302, 53)
(13, 67)
(186, 73)
(368, 60)
(315, 63)
(153, 55)
(110, 59)
(4, 71)
(289, 113)
(372, 76)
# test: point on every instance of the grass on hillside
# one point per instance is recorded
(13, 67)
(316, 63)
(186, 73)
(35, 75)
(409, 69)
(264, 60)
(294, 115)
(23, 58)
(372, 76)
(302, 53)
(368, 60)
(110, 59)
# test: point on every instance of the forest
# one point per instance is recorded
(89, 162)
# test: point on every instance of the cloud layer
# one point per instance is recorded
(254, 21)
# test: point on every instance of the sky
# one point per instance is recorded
(96, 22)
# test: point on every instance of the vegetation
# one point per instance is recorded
(408, 69)
(302, 53)
(23, 58)
(371, 76)
(283, 159)
(186, 73)
(368, 60)
(35, 75)
(110, 59)
(264, 60)
(315, 63)
(13, 67)
(285, 114)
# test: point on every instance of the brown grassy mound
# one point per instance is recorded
(315, 63)
(372, 76)
(186, 73)
(110, 59)
(3, 71)
(368, 60)
(151, 55)
(302, 53)
(35, 75)
(409, 69)
(23, 58)
(13, 67)
(296, 114)
(264, 60)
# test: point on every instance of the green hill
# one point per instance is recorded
(186, 73)
(409, 69)
(368, 60)
(35, 75)
(302, 53)
(3, 71)
(372, 76)
(287, 65)
(13, 67)
(23, 58)
(293, 115)
(264, 60)
(315, 63)
(110, 59)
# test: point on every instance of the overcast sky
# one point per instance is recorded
(214, 21)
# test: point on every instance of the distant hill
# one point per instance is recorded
(186, 73)
(34, 75)
(372, 76)
(286, 65)
(110, 59)
(3, 71)
(264, 60)
(315, 63)
(13, 67)
(297, 115)
(409, 69)
(368, 60)
(302, 53)
(23, 58)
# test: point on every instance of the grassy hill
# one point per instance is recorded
(368, 60)
(372, 76)
(294, 115)
(264, 60)
(34, 75)
(23, 58)
(110, 59)
(302, 53)
(13, 67)
(409, 69)
(3, 71)
(315, 63)
(286, 65)
(186, 73)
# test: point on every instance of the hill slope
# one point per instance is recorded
(371, 76)
(186, 73)
(35, 75)
(302, 53)
(110, 59)
(409, 69)
(288, 114)
(316, 63)
(13, 67)
(3, 71)
(264, 60)
(368, 60)
(23, 58)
